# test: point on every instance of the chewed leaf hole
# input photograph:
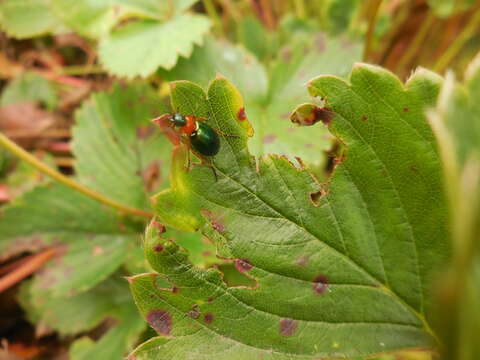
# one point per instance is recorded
(316, 196)
(234, 274)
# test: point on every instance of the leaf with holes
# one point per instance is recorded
(342, 269)
(270, 97)
(119, 154)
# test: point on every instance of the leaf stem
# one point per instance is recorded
(467, 32)
(67, 181)
(212, 13)
(26, 268)
(374, 7)
(417, 41)
(82, 70)
(300, 8)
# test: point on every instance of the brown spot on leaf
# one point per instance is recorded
(158, 248)
(269, 139)
(286, 55)
(309, 114)
(303, 261)
(211, 299)
(152, 176)
(320, 284)
(208, 317)
(97, 250)
(241, 115)
(161, 321)
(243, 265)
(160, 227)
(143, 132)
(414, 169)
(320, 43)
(364, 118)
(405, 109)
(175, 289)
(323, 114)
(194, 313)
(215, 220)
(288, 327)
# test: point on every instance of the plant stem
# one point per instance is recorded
(67, 181)
(459, 42)
(417, 41)
(300, 8)
(212, 13)
(82, 70)
(26, 268)
(375, 6)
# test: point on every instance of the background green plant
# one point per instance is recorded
(386, 183)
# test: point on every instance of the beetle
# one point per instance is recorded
(193, 131)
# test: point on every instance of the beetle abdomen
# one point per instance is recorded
(205, 140)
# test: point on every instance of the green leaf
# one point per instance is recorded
(79, 227)
(221, 57)
(118, 151)
(94, 19)
(339, 14)
(27, 18)
(456, 121)
(297, 64)
(139, 48)
(30, 87)
(108, 300)
(332, 262)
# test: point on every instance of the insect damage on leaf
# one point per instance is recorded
(161, 321)
(352, 258)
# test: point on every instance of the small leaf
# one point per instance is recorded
(139, 48)
(27, 18)
(331, 262)
(28, 88)
(94, 19)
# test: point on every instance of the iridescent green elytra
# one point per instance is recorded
(205, 140)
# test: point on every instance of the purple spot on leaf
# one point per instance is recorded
(269, 139)
(288, 327)
(243, 265)
(208, 317)
(320, 284)
(161, 321)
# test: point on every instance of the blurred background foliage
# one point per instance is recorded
(73, 74)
